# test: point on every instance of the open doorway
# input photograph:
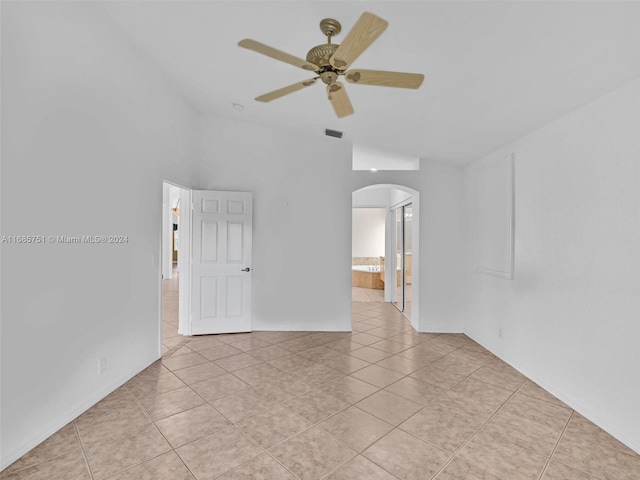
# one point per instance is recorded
(175, 246)
(367, 254)
(392, 269)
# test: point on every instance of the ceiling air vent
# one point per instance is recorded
(332, 133)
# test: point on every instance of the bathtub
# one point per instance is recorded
(367, 276)
(365, 268)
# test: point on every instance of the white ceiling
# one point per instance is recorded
(493, 70)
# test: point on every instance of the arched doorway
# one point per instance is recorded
(394, 270)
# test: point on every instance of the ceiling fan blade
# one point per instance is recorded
(339, 99)
(267, 97)
(385, 79)
(364, 32)
(277, 54)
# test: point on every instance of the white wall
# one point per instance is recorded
(571, 315)
(302, 201)
(88, 135)
(367, 232)
(366, 157)
(301, 220)
(398, 196)
(371, 197)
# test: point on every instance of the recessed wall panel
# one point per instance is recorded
(209, 243)
(235, 207)
(234, 296)
(494, 222)
(210, 206)
(208, 297)
(235, 241)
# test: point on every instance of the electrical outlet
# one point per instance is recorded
(103, 365)
(500, 332)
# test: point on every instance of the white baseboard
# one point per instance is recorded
(627, 438)
(13, 453)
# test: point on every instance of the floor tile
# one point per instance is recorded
(270, 352)
(250, 343)
(190, 425)
(442, 427)
(203, 342)
(595, 459)
(167, 466)
(343, 363)
(359, 468)
(111, 454)
(365, 338)
(505, 377)
(406, 456)
(150, 385)
(540, 411)
(581, 427)
(407, 401)
(378, 376)
(558, 471)
(199, 373)
(389, 407)
(273, 425)
(523, 432)
(531, 389)
(220, 351)
(70, 466)
(316, 375)
(349, 389)
(459, 469)
(111, 418)
(183, 361)
(400, 364)
(389, 346)
(415, 390)
(316, 405)
(181, 351)
(368, 354)
(263, 467)
(63, 441)
(219, 387)
(504, 460)
(170, 403)
(218, 453)
(243, 404)
(312, 454)
(356, 428)
(438, 376)
(344, 346)
(236, 362)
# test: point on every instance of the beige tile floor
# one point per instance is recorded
(382, 402)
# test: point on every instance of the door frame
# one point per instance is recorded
(414, 199)
(394, 256)
(184, 259)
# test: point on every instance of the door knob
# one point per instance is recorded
(247, 269)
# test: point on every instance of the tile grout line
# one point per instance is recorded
(160, 432)
(546, 465)
(455, 454)
(84, 453)
(35, 464)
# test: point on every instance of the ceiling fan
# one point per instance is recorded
(330, 61)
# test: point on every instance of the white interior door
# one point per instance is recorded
(221, 267)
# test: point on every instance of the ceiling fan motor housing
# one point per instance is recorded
(320, 56)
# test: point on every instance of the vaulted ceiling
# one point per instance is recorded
(493, 70)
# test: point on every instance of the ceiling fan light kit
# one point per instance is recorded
(330, 61)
